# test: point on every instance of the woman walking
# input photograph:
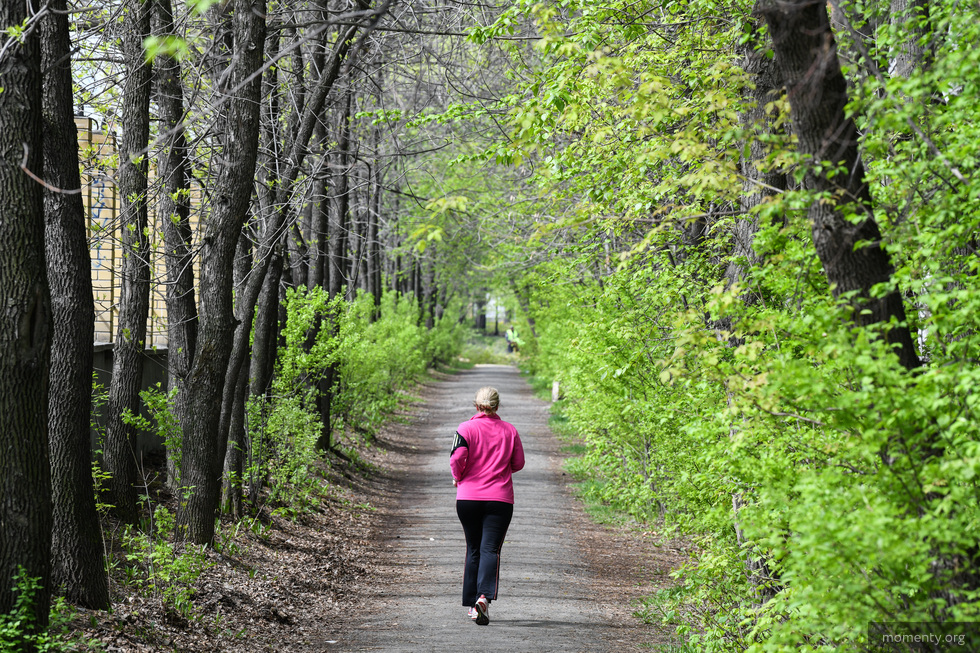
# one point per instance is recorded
(486, 451)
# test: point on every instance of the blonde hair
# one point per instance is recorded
(487, 399)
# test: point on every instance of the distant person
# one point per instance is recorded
(512, 339)
(486, 451)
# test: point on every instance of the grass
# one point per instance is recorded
(541, 386)
(574, 449)
(588, 492)
(481, 349)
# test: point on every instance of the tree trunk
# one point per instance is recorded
(204, 446)
(256, 382)
(417, 288)
(233, 415)
(480, 310)
(375, 286)
(297, 155)
(319, 225)
(339, 264)
(174, 212)
(134, 294)
(77, 559)
(429, 293)
(757, 185)
(25, 324)
(807, 56)
(910, 18)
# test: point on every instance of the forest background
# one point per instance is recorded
(741, 235)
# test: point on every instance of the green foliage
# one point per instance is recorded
(170, 46)
(481, 349)
(370, 357)
(162, 568)
(283, 445)
(754, 417)
(17, 629)
(162, 421)
(380, 359)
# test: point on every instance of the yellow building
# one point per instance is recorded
(97, 151)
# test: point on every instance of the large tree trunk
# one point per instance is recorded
(134, 302)
(256, 382)
(233, 416)
(807, 56)
(25, 324)
(77, 559)
(231, 488)
(203, 446)
(174, 212)
(758, 184)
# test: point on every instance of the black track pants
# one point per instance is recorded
(485, 526)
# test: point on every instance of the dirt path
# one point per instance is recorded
(564, 585)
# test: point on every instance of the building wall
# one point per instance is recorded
(98, 161)
(154, 372)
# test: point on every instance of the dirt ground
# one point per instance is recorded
(357, 574)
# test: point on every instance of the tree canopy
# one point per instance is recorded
(741, 235)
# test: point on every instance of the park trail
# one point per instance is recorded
(545, 601)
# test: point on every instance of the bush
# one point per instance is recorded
(18, 632)
(370, 357)
(854, 480)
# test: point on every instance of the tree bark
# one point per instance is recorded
(339, 261)
(480, 310)
(417, 288)
(374, 283)
(842, 218)
(757, 185)
(77, 559)
(174, 214)
(231, 487)
(429, 295)
(134, 294)
(910, 18)
(255, 383)
(203, 445)
(294, 164)
(25, 324)
(319, 226)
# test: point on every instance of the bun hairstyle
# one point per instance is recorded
(487, 399)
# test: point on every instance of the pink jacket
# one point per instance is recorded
(486, 451)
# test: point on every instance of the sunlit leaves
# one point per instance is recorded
(170, 46)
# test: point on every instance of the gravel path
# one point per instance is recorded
(544, 602)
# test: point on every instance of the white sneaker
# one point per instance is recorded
(482, 608)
